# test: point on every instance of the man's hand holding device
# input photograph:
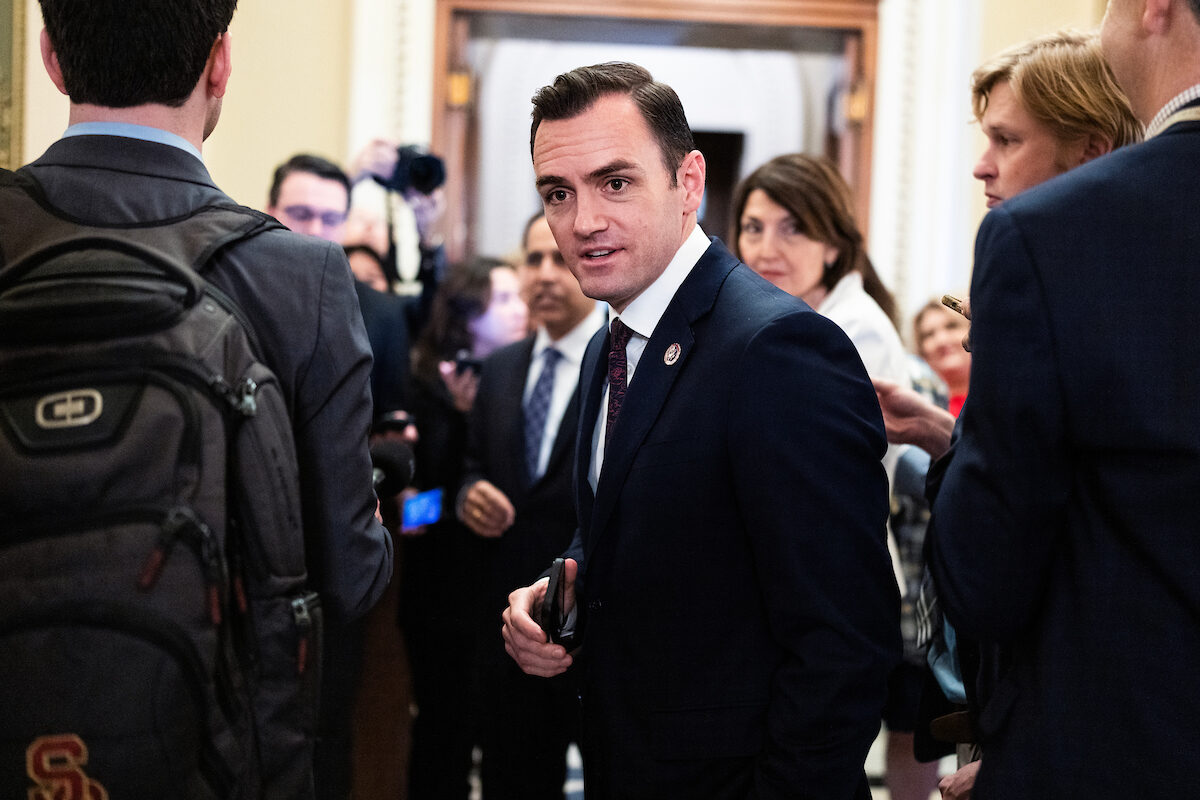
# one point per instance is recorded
(962, 307)
(420, 509)
(524, 637)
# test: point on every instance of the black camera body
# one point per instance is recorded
(422, 172)
(463, 362)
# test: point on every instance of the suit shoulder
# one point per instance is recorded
(755, 296)
(509, 354)
(285, 244)
(1094, 184)
(749, 303)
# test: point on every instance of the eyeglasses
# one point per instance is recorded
(330, 219)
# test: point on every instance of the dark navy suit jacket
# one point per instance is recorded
(1067, 527)
(386, 318)
(741, 612)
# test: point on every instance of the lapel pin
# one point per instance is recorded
(672, 354)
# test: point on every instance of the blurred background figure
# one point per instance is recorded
(477, 309)
(795, 226)
(518, 496)
(938, 335)
(311, 195)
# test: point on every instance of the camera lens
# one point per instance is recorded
(421, 171)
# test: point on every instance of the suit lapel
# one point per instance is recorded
(561, 448)
(663, 360)
(511, 416)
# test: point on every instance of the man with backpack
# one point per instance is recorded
(88, 430)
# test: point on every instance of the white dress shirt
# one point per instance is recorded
(642, 316)
(571, 348)
(882, 353)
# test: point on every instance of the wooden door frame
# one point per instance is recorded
(452, 84)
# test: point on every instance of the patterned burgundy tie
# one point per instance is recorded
(620, 335)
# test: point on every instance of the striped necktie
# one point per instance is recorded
(537, 407)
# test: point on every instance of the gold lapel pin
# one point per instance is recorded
(672, 354)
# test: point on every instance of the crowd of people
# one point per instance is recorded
(781, 525)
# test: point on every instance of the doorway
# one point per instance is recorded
(775, 75)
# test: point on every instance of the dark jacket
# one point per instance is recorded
(1065, 528)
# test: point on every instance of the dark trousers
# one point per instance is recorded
(444, 731)
(528, 724)
(341, 669)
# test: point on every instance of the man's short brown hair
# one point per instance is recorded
(574, 92)
(1063, 81)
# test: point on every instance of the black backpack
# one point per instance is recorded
(156, 636)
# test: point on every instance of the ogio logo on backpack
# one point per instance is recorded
(55, 764)
(72, 409)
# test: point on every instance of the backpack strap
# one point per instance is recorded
(191, 239)
(65, 255)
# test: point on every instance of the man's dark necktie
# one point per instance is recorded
(536, 409)
(617, 369)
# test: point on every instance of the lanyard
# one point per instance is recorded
(1191, 114)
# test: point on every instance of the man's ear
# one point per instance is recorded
(50, 60)
(691, 177)
(1094, 147)
(1156, 16)
(220, 65)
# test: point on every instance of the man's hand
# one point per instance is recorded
(486, 510)
(525, 640)
(427, 210)
(407, 494)
(912, 419)
(966, 312)
(461, 385)
(376, 160)
(958, 785)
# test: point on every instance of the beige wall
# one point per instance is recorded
(1006, 22)
(288, 92)
(292, 64)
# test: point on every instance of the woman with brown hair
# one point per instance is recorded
(796, 228)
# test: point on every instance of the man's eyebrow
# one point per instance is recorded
(611, 167)
(619, 165)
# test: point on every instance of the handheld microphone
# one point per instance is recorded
(392, 466)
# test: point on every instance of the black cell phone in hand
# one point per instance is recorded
(463, 362)
(553, 615)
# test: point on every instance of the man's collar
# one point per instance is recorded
(131, 131)
(1158, 124)
(642, 315)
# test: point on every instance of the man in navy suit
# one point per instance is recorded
(518, 494)
(732, 587)
(1065, 526)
